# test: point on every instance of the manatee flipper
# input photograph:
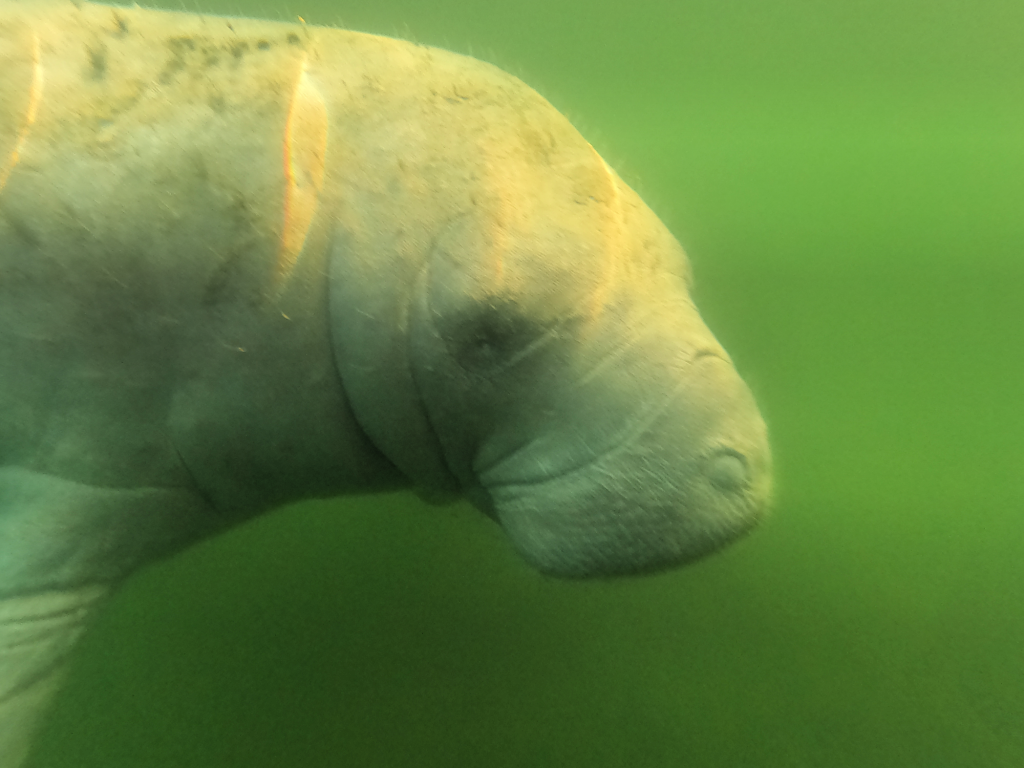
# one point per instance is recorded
(37, 633)
(64, 546)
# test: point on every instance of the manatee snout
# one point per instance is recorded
(687, 478)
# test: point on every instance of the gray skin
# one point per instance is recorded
(245, 263)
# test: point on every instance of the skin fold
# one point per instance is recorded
(244, 263)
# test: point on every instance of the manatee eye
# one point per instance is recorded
(490, 337)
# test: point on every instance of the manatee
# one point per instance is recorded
(245, 263)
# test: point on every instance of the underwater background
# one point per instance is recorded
(848, 179)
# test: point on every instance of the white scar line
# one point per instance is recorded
(304, 149)
(34, 98)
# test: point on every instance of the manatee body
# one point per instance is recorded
(244, 263)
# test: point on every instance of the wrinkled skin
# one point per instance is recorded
(245, 263)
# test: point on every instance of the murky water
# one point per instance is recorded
(849, 182)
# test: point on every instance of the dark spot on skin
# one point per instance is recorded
(121, 24)
(293, 39)
(170, 71)
(238, 50)
(97, 64)
(180, 48)
(263, 45)
(180, 44)
(217, 103)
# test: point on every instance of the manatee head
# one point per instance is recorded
(539, 352)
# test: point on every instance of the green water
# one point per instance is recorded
(849, 181)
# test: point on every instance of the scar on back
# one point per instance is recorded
(304, 149)
(28, 119)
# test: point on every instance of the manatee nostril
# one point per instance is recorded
(727, 470)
